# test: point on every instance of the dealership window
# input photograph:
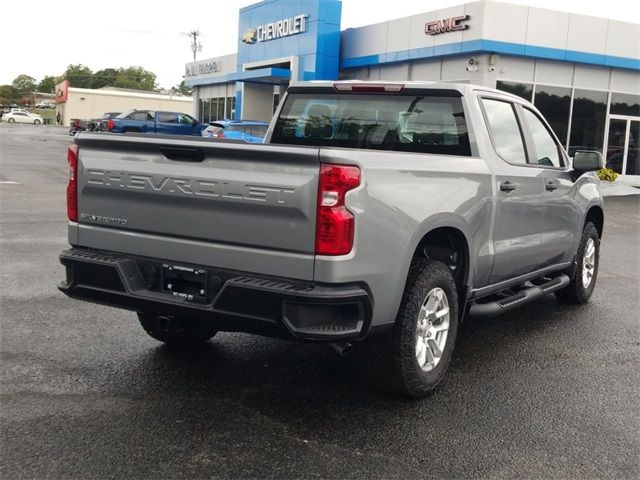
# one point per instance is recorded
(625, 104)
(588, 120)
(220, 108)
(230, 107)
(522, 90)
(554, 104)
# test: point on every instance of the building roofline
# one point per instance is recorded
(124, 93)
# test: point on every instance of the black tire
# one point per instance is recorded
(576, 292)
(36, 122)
(177, 331)
(11, 120)
(396, 351)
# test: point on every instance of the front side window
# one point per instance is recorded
(185, 119)
(505, 130)
(547, 151)
(420, 122)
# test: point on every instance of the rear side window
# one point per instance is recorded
(505, 130)
(140, 116)
(547, 151)
(167, 117)
(408, 123)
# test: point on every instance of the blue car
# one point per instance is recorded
(249, 131)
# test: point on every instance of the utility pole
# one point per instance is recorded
(195, 45)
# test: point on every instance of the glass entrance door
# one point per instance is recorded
(623, 147)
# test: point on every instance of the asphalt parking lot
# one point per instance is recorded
(549, 391)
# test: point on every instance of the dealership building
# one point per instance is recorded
(583, 73)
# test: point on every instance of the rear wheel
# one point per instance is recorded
(36, 122)
(584, 279)
(416, 353)
(176, 331)
(11, 120)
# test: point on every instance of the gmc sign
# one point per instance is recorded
(452, 24)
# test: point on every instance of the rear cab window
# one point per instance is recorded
(415, 120)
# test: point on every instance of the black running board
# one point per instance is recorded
(490, 309)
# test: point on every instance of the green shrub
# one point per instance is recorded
(607, 174)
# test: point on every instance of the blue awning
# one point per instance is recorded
(270, 75)
(279, 76)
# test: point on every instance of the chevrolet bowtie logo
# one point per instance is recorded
(249, 36)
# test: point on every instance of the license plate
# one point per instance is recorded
(189, 283)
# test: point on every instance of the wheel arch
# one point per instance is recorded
(595, 215)
(450, 245)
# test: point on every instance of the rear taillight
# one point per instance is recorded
(335, 224)
(72, 187)
(218, 135)
(110, 124)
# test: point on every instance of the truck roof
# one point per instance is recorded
(463, 88)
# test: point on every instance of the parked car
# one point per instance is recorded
(7, 108)
(249, 131)
(379, 212)
(148, 121)
(45, 105)
(22, 116)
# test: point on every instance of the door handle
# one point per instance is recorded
(551, 186)
(507, 186)
(183, 154)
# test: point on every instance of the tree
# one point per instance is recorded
(47, 84)
(104, 78)
(7, 92)
(79, 76)
(136, 78)
(182, 89)
(24, 84)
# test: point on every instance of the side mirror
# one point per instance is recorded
(587, 161)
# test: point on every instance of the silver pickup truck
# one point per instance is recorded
(381, 211)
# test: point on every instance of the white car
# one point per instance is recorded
(22, 117)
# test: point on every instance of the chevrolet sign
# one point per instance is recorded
(452, 24)
(271, 31)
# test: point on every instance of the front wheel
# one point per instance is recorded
(36, 122)
(176, 331)
(416, 353)
(584, 279)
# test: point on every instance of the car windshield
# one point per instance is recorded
(425, 122)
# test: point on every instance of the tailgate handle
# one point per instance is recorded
(183, 154)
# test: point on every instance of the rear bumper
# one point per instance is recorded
(235, 301)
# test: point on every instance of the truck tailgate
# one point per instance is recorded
(231, 205)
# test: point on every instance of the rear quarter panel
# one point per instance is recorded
(402, 197)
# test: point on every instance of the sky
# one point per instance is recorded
(151, 34)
